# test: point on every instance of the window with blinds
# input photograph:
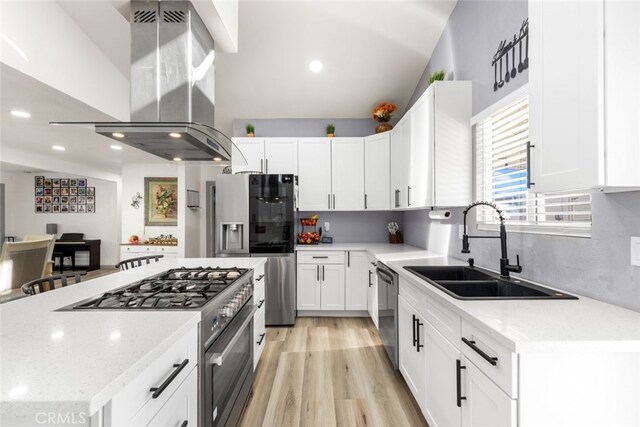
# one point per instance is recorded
(501, 166)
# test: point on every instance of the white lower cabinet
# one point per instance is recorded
(356, 283)
(332, 287)
(259, 330)
(182, 407)
(308, 280)
(485, 404)
(442, 408)
(135, 251)
(411, 343)
(372, 295)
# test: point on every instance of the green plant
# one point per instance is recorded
(330, 128)
(437, 75)
(249, 128)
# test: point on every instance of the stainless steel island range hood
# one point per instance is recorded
(172, 86)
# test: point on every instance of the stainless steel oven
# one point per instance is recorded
(228, 370)
(388, 310)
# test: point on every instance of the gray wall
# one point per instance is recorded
(598, 267)
(306, 127)
(468, 43)
(356, 227)
(2, 222)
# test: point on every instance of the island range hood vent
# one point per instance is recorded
(172, 86)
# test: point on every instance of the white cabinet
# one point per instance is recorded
(308, 292)
(372, 296)
(251, 150)
(441, 148)
(314, 174)
(332, 287)
(281, 156)
(411, 346)
(485, 404)
(135, 251)
(259, 330)
(357, 281)
(182, 407)
(400, 162)
(376, 172)
(347, 174)
(266, 155)
(442, 408)
(583, 122)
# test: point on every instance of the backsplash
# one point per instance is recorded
(599, 267)
(355, 227)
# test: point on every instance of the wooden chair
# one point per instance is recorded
(130, 263)
(45, 284)
(52, 237)
(22, 262)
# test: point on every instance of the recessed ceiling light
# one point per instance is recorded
(175, 135)
(115, 335)
(21, 114)
(116, 147)
(217, 159)
(58, 147)
(177, 159)
(56, 335)
(118, 135)
(315, 66)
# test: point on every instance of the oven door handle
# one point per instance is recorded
(218, 358)
(386, 277)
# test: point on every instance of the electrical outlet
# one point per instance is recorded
(635, 251)
(327, 226)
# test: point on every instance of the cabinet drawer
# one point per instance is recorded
(444, 321)
(135, 405)
(259, 335)
(321, 257)
(258, 284)
(495, 360)
(165, 249)
(182, 406)
(414, 296)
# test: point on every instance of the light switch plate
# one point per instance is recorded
(635, 251)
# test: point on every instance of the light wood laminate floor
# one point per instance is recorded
(328, 372)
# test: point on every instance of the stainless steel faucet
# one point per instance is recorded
(505, 267)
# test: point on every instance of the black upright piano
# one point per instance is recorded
(70, 243)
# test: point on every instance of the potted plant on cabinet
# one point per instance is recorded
(382, 114)
(250, 129)
(436, 76)
(331, 130)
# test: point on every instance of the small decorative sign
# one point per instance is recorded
(64, 195)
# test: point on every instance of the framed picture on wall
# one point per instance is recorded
(73, 191)
(39, 191)
(46, 209)
(55, 182)
(73, 208)
(56, 191)
(91, 208)
(47, 191)
(73, 182)
(82, 182)
(82, 200)
(161, 201)
(82, 208)
(64, 191)
(47, 182)
(64, 182)
(91, 191)
(39, 181)
(73, 200)
(55, 208)
(39, 209)
(64, 208)
(82, 191)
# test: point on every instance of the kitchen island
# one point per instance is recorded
(73, 363)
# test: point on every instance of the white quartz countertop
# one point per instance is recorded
(78, 360)
(522, 325)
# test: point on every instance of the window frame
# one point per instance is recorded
(549, 229)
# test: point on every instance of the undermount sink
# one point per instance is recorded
(472, 283)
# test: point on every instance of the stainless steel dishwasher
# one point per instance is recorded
(388, 310)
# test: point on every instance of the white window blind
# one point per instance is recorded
(501, 166)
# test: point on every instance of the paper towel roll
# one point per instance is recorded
(440, 214)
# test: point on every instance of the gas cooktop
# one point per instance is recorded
(178, 288)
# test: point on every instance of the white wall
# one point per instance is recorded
(21, 218)
(133, 176)
(192, 235)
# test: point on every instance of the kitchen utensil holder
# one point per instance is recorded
(396, 238)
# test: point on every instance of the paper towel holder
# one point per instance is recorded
(440, 214)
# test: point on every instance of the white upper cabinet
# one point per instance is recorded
(584, 101)
(266, 155)
(281, 155)
(400, 161)
(420, 187)
(347, 174)
(314, 174)
(253, 151)
(376, 172)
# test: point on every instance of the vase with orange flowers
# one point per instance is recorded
(382, 113)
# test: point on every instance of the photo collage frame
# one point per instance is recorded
(64, 195)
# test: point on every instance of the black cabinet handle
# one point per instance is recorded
(459, 397)
(418, 344)
(261, 339)
(415, 340)
(529, 147)
(408, 196)
(260, 303)
(185, 423)
(485, 356)
(370, 284)
(320, 257)
(260, 277)
(317, 273)
(323, 273)
(348, 258)
(365, 201)
(157, 391)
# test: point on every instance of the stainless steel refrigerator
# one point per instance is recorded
(271, 235)
(232, 216)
